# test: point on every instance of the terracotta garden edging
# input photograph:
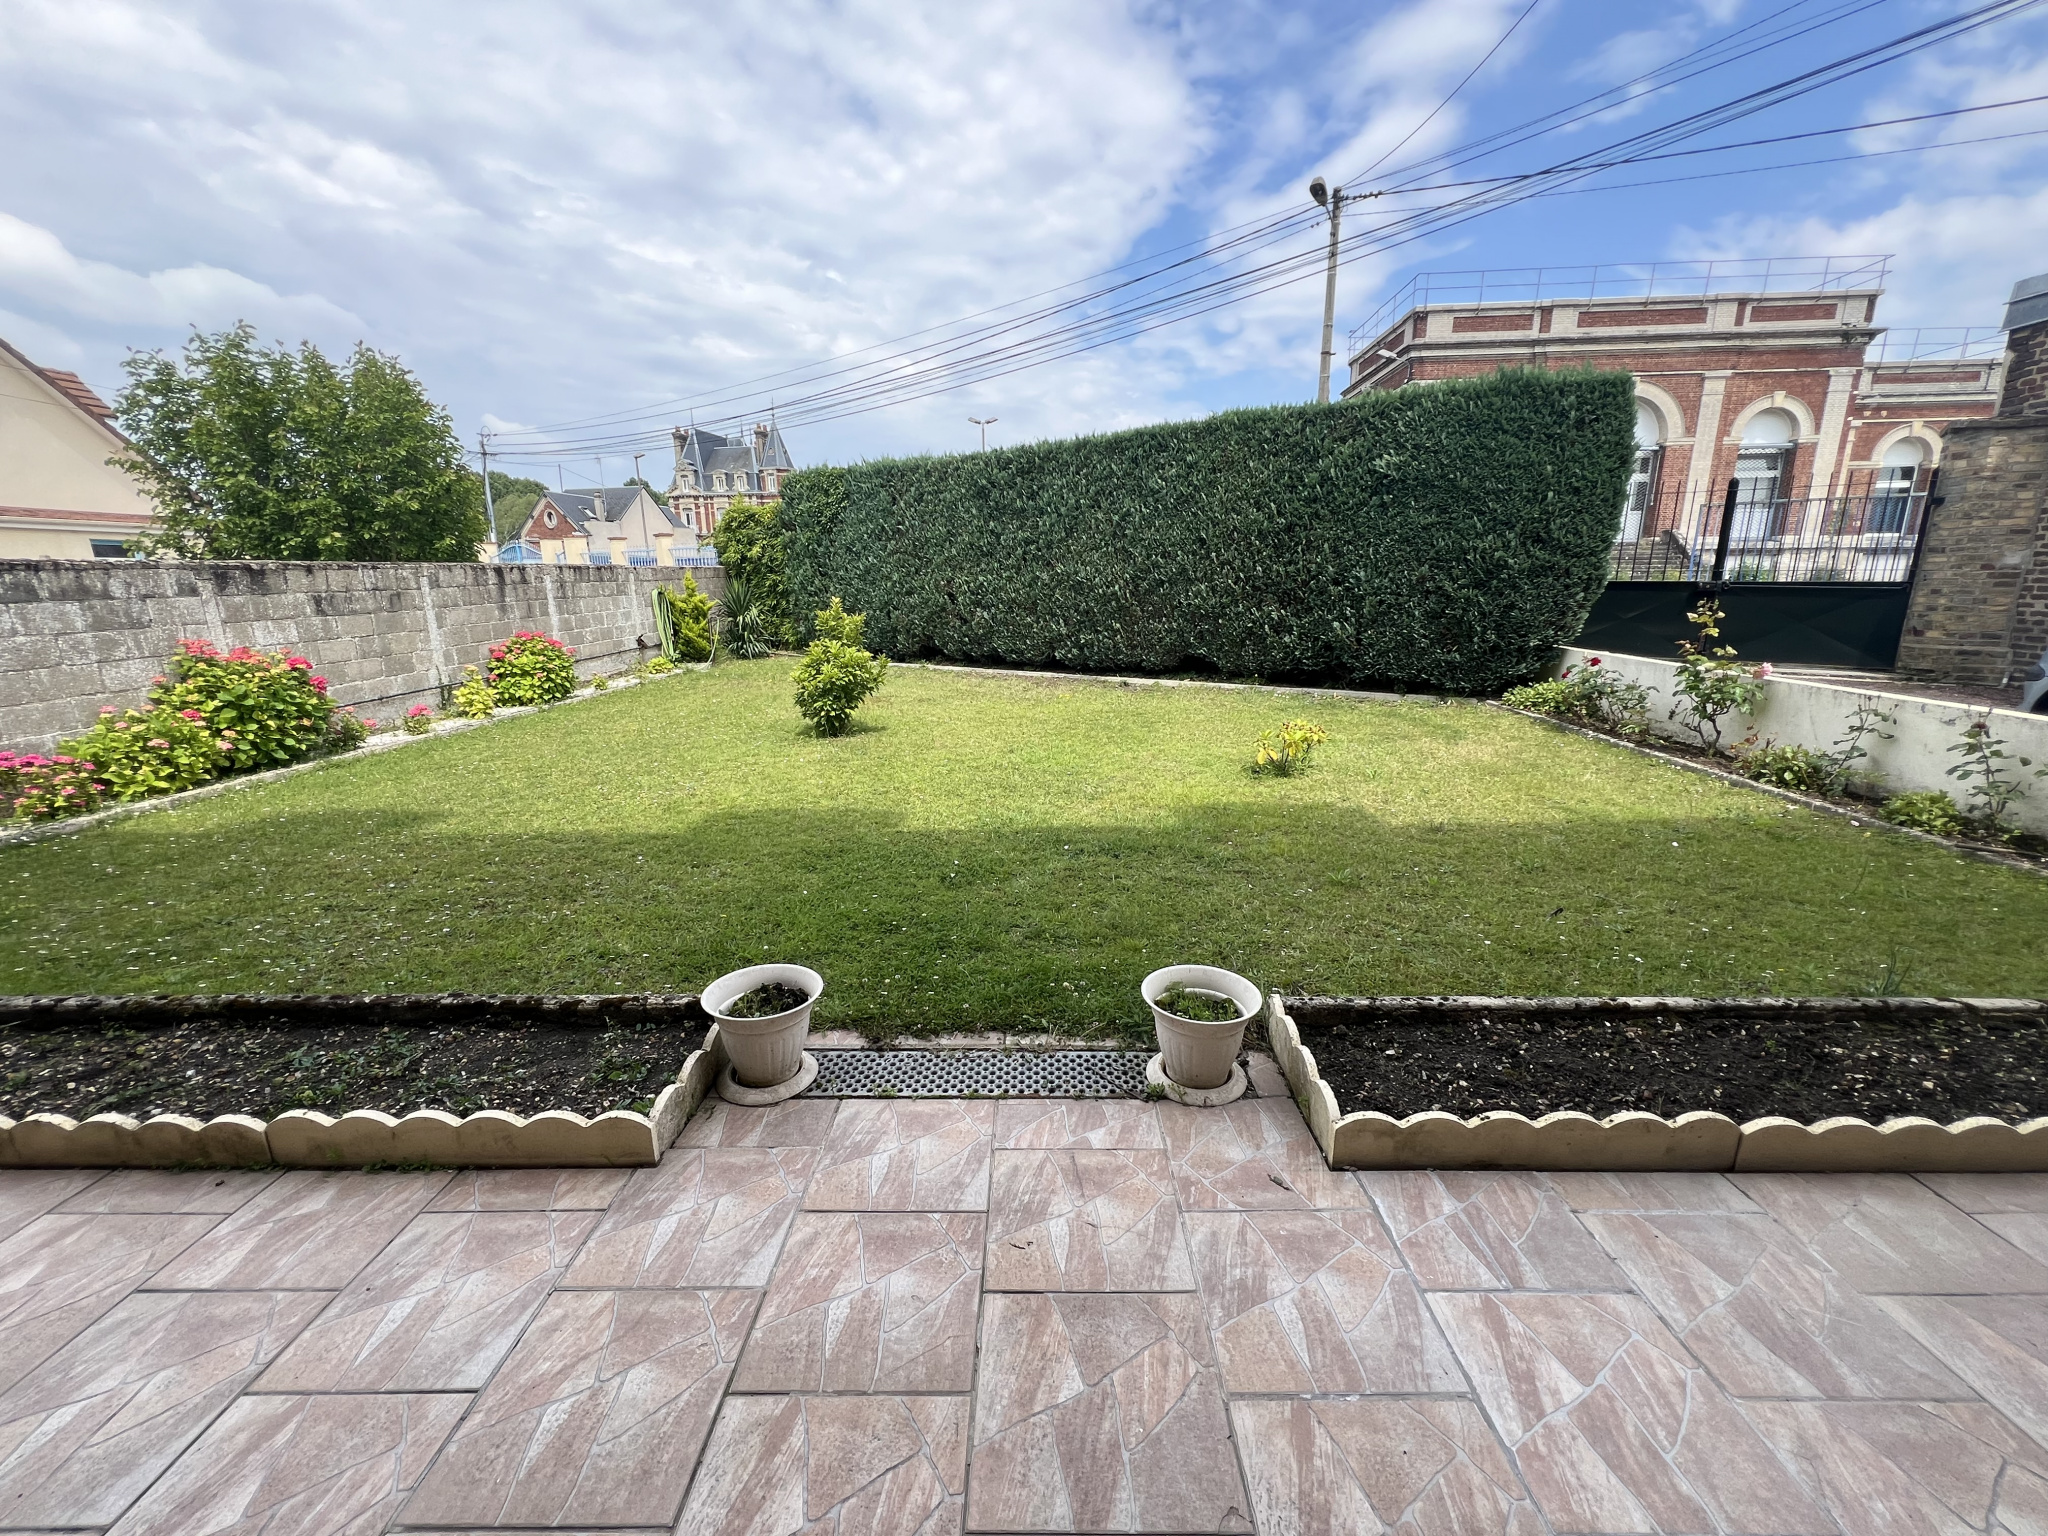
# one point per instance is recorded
(301, 1138)
(1700, 1139)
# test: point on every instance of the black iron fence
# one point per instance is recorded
(1742, 535)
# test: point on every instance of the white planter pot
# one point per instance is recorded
(1193, 1054)
(764, 1052)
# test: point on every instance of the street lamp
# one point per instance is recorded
(983, 422)
(1333, 203)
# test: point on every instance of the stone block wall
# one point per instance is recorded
(1979, 609)
(77, 634)
(2026, 372)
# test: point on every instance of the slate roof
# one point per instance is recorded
(604, 504)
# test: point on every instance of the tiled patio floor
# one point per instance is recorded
(908, 1318)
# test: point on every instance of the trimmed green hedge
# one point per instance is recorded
(1451, 536)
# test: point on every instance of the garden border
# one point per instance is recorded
(1855, 817)
(1702, 1140)
(302, 1138)
(384, 741)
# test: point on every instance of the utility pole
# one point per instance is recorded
(483, 448)
(984, 422)
(636, 466)
(1334, 203)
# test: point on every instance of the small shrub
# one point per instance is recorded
(833, 622)
(38, 788)
(655, 666)
(1791, 767)
(1587, 696)
(599, 683)
(265, 707)
(346, 730)
(532, 668)
(1286, 751)
(682, 622)
(1926, 810)
(745, 619)
(474, 699)
(1993, 785)
(420, 718)
(146, 752)
(1711, 683)
(832, 681)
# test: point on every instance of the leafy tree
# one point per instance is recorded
(255, 454)
(514, 497)
(749, 541)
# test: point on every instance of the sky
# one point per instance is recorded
(560, 211)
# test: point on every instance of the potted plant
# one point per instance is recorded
(1200, 1012)
(764, 1015)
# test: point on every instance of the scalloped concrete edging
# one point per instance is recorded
(383, 741)
(1697, 1140)
(303, 1138)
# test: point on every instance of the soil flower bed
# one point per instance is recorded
(310, 1054)
(1876, 1059)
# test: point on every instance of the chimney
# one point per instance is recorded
(2026, 349)
(761, 442)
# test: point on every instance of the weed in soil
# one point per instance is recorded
(765, 1002)
(1806, 1069)
(204, 1069)
(1198, 1007)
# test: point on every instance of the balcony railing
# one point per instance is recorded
(1870, 536)
(1961, 344)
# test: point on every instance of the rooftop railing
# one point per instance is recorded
(1625, 280)
(1962, 344)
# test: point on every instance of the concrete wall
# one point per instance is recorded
(76, 634)
(1798, 712)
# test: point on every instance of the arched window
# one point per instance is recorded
(1642, 482)
(1763, 464)
(1891, 498)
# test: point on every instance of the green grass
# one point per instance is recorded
(1007, 853)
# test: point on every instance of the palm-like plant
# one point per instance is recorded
(744, 621)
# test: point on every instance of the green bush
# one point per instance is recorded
(832, 681)
(264, 708)
(682, 621)
(1791, 767)
(38, 788)
(1452, 536)
(1285, 752)
(833, 622)
(744, 619)
(1926, 810)
(347, 730)
(751, 544)
(532, 668)
(474, 699)
(1587, 696)
(146, 752)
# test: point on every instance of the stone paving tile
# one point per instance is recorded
(1100, 1413)
(26, 1193)
(1998, 1344)
(1490, 1231)
(711, 1216)
(596, 1417)
(1104, 1124)
(1265, 1077)
(308, 1466)
(906, 1155)
(436, 1310)
(1984, 1192)
(1645, 1191)
(1308, 1301)
(831, 1466)
(2026, 1231)
(1256, 1154)
(1613, 1424)
(793, 1123)
(1766, 1317)
(531, 1189)
(306, 1232)
(157, 1191)
(60, 1274)
(1359, 1465)
(875, 1301)
(94, 1425)
(1889, 1234)
(1085, 1221)
(1936, 1467)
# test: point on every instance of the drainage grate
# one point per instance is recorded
(992, 1074)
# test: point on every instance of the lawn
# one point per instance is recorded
(1007, 853)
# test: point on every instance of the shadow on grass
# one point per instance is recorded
(921, 930)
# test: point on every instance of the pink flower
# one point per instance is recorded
(1763, 670)
(417, 710)
(319, 684)
(106, 709)
(159, 743)
(160, 679)
(1592, 661)
(190, 714)
(228, 734)
(66, 760)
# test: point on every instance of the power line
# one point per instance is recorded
(1501, 43)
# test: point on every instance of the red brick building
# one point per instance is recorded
(1773, 373)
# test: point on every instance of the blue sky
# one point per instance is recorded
(553, 211)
